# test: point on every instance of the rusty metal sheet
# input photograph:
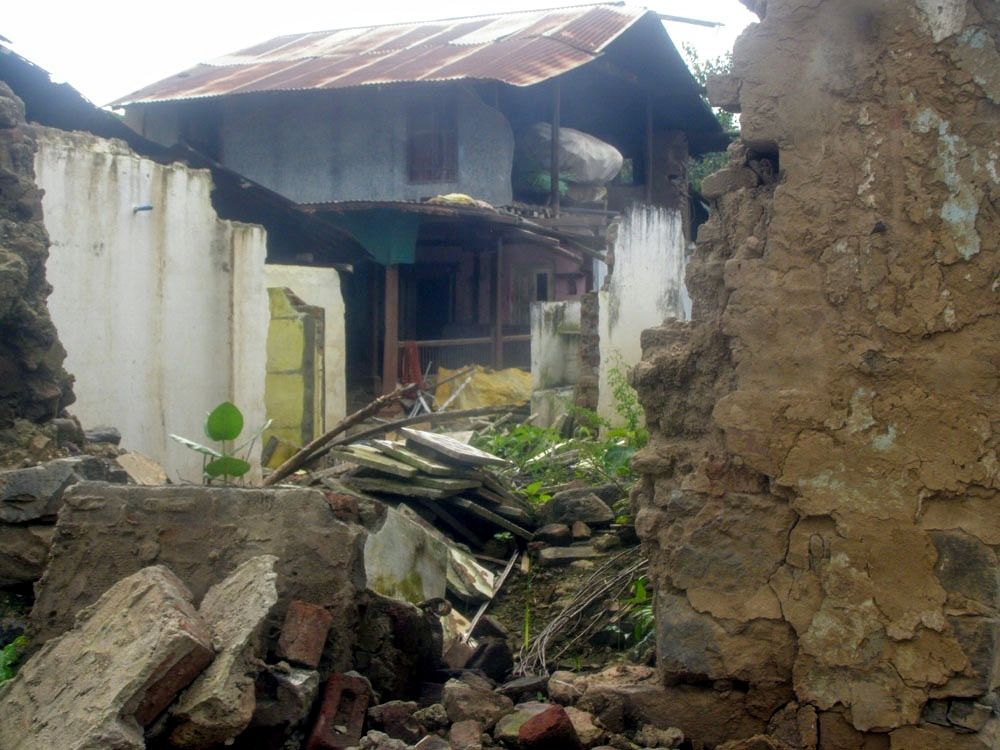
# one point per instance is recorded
(520, 49)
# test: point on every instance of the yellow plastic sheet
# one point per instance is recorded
(487, 388)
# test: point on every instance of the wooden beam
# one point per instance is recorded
(390, 339)
(554, 165)
(649, 148)
(498, 311)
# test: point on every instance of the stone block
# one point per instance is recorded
(554, 556)
(107, 532)
(120, 666)
(23, 552)
(304, 633)
(341, 718)
(589, 733)
(220, 702)
(724, 92)
(550, 729)
(36, 493)
(553, 533)
(464, 700)
(395, 718)
(284, 695)
(465, 735)
(728, 180)
(577, 505)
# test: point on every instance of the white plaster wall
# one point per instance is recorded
(555, 344)
(321, 287)
(645, 288)
(163, 313)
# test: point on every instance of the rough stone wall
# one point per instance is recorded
(33, 385)
(819, 498)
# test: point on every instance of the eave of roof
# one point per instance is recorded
(520, 49)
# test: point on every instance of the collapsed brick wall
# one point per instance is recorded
(820, 494)
(34, 386)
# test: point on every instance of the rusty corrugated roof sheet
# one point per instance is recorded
(520, 49)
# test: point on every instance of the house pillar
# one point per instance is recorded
(498, 309)
(390, 339)
(554, 160)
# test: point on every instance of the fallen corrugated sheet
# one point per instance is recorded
(520, 49)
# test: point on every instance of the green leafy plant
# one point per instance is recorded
(10, 655)
(224, 424)
(535, 494)
(699, 168)
(639, 606)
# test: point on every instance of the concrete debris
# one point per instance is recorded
(23, 551)
(466, 735)
(341, 717)
(220, 702)
(650, 736)
(553, 556)
(509, 726)
(103, 434)
(396, 719)
(550, 729)
(569, 506)
(591, 734)
(121, 665)
(36, 493)
(142, 469)
(284, 695)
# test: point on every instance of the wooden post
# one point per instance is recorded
(649, 148)
(390, 340)
(498, 310)
(554, 162)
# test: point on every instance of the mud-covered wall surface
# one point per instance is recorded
(34, 387)
(820, 495)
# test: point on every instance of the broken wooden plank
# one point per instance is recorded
(371, 459)
(435, 418)
(488, 515)
(392, 487)
(519, 515)
(449, 520)
(446, 484)
(400, 452)
(453, 449)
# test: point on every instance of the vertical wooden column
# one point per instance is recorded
(554, 161)
(649, 148)
(390, 340)
(498, 309)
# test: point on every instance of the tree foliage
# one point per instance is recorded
(701, 68)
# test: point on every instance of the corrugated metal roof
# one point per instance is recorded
(520, 49)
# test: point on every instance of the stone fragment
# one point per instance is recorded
(380, 741)
(341, 717)
(304, 633)
(554, 556)
(508, 727)
(758, 742)
(36, 492)
(531, 685)
(142, 469)
(581, 531)
(466, 735)
(586, 728)
(577, 505)
(549, 730)
(285, 695)
(149, 643)
(220, 702)
(395, 718)
(23, 552)
(553, 533)
(566, 687)
(432, 742)
(433, 717)
(463, 700)
(727, 180)
(970, 715)
(103, 434)
(650, 736)
(493, 658)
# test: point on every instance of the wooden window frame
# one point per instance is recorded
(431, 141)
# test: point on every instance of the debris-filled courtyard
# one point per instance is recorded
(516, 381)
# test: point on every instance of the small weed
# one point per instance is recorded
(224, 424)
(639, 606)
(10, 655)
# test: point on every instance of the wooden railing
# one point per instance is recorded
(456, 353)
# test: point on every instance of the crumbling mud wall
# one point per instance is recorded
(34, 387)
(820, 495)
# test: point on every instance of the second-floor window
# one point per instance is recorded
(432, 141)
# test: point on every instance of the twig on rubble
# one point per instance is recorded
(313, 449)
(577, 619)
(458, 391)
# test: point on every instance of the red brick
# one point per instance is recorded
(345, 702)
(549, 730)
(303, 635)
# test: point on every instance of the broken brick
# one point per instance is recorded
(552, 729)
(303, 635)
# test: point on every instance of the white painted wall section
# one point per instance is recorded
(645, 288)
(321, 287)
(163, 313)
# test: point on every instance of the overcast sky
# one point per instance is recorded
(108, 48)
